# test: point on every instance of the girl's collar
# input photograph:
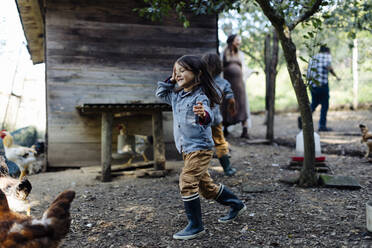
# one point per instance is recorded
(186, 93)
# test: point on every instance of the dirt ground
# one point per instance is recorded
(146, 212)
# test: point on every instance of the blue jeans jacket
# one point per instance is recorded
(225, 87)
(189, 134)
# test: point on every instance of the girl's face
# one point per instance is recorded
(237, 41)
(184, 77)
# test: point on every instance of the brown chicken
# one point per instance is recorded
(18, 230)
(367, 138)
(16, 191)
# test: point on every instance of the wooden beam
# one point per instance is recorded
(33, 26)
(106, 146)
(159, 147)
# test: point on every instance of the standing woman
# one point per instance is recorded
(233, 64)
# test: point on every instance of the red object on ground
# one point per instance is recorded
(317, 159)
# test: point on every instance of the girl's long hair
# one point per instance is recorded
(202, 77)
(213, 63)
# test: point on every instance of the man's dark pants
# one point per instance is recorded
(320, 95)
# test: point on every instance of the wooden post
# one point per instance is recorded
(271, 61)
(355, 74)
(159, 147)
(106, 145)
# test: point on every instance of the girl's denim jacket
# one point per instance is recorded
(227, 92)
(190, 133)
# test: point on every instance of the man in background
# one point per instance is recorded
(317, 74)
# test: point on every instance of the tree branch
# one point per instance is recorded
(306, 15)
(254, 58)
(276, 20)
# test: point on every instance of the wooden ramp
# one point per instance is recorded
(139, 170)
(257, 141)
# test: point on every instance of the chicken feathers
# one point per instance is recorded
(15, 190)
(18, 230)
(20, 155)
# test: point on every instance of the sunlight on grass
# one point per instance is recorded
(341, 92)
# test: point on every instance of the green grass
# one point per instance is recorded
(341, 92)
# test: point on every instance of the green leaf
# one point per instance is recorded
(186, 24)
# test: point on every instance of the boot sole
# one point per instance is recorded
(190, 236)
(239, 213)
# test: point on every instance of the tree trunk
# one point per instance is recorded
(267, 53)
(271, 62)
(355, 74)
(308, 177)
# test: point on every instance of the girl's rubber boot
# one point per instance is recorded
(225, 163)
(245, 134)
(227, 198)
(225, 132)
(195, 226)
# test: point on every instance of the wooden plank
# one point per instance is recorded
(64, 97)
(138, 48)
(73, 154)
(161, 49)
(125, 32)
(116, 60)
(121, 12)
(106, 146)
(159, 148)
(108, 77)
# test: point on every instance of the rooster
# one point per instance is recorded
(16, 191)
(20, 155)
(18, 230)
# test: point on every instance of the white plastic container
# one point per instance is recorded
(300, 144)
(369, 215)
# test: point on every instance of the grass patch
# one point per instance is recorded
(341, 92)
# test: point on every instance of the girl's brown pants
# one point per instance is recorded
(221, 145)
(195, 177)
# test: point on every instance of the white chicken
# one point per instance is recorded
(20, 155)
(134, 145)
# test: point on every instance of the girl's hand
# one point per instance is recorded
(199, 109)
(173, 78)
(231, 106)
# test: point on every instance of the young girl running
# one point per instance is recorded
(222, 147)
(191, 104)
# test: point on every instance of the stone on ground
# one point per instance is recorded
(341, 182)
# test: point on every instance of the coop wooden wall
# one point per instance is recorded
(100, 51)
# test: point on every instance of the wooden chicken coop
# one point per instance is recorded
(102, 59)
